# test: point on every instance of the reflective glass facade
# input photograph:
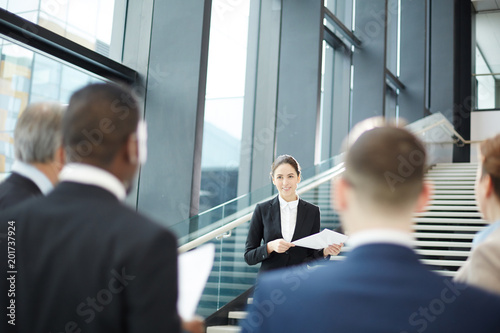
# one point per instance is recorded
(96, 24)
(27, 77)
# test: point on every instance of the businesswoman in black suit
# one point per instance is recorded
(281, 220)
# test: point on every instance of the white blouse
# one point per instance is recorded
(288, 217)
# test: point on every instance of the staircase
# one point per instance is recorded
(443, 233)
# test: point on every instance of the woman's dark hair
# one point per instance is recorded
(490, 151)
(285, 159)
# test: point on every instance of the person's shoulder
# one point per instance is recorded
(267, 203)
(490, 245)
(489, 248)
(15, 206)
(308, 204)
(16, 184)
(493, 238)
(141, 223)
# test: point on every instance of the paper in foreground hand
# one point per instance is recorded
(194, 268)
(321, 239)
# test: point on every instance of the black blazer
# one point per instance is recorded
(86, 261)
(15, 189)
(266, 226)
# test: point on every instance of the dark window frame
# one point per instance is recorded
(41, 39)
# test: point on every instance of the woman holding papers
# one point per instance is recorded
(282, 220)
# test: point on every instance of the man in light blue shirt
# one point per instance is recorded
(38, 152)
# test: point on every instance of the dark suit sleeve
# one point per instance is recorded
(254, 251)
(152, 293)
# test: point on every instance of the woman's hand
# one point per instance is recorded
(279, 246)
(332, 250)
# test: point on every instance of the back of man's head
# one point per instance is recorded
(98, 122)
(37, 135)
(386, 166)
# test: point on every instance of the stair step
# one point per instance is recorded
(439, 191)
(237, 315)
(449, 214)
(447, 228)
(434, 262)
(452, 202)
(451, 176)
(442, 244)
(452, 208)
(425, 235)
(223, 329)
(464, 254)
(449, 220)
(454, 171)
(438, 187)
(445, 273)
(448, 180)
(453, 197)
(455, 165)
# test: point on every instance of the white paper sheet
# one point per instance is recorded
(194, 268)
(321, 239)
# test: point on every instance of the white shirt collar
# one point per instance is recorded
(33, 174)
(387, 236)
(290, 204)
(91, 175)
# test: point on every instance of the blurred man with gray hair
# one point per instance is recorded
(39, 154)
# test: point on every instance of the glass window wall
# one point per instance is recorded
(342, 9)
(487, 64)
(393, 35)
(27, 77)
(96, 24)
(224, 102)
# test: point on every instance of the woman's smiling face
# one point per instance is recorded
(285, 179)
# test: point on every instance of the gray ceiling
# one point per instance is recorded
(482, 5)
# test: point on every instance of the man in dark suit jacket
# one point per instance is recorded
(381, 286)
(39, 154)
(82, 260)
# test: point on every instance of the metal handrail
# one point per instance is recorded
(450, 130)
(319, 179)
